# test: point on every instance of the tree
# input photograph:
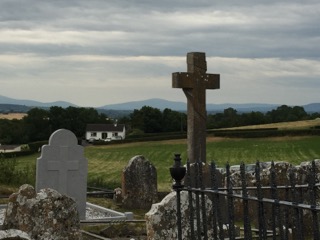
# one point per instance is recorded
(285, 113)
(147, 119)
(57, 118)
(252, 118)
(173, 121)
(299, 113)
(231, 117)
(37, 124)
(12, 132)
(40, 123)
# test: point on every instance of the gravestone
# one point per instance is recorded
(63, 167)
(194, 84)
(139, 184)
(44, 215)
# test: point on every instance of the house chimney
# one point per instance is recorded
(116, 123)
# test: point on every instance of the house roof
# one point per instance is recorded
(8, 147)
(105, 127)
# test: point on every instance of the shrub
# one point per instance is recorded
(36, 146)
(10, 175)
(7, 169)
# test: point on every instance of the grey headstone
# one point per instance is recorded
(139, 184)
(63, 167)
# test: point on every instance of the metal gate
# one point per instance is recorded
(245, 207)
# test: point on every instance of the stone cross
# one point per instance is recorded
(194, 83)
(63, 167)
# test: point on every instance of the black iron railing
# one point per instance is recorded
(244, 207)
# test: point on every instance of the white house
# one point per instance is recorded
(105, 132)
(10, 148)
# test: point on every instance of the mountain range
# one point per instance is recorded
(31, 103)
(156, 103)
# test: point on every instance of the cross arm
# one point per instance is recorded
(186, 80)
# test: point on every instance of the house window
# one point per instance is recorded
(115, 134)
(93, 134)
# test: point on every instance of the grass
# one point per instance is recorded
(291, 149)
(105, 163)
(303, 124)
(108, 161)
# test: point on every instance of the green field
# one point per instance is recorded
(107, 162)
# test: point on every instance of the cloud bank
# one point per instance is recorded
(97, 52)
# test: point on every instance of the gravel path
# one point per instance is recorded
(1, 216)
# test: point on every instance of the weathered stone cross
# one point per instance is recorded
(194, 84)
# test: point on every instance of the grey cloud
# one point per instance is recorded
(271, 27)
(57, 30)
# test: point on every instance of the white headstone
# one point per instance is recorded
(63, 167)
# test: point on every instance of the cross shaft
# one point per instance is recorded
(194, 84)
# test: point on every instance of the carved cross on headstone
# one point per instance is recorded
(63, 165)
(194, 84)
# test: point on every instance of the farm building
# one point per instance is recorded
(105, 132)
(10, 148)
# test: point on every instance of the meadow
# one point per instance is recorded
(107, 162)
(11, 116)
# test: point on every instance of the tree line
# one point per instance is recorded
(231, 118)
(40, 123)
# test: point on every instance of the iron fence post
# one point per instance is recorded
(297, 228)
(246, 219)
(189, 184)
(177, 173)
(313, 199)
(230, 198)
(214, 188)
(261, 216)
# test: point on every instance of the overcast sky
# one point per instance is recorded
(98, 52)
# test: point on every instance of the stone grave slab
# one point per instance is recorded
(63, 167)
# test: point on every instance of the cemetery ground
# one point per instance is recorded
(107, 162)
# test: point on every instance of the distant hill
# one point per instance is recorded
(125, 108)
(154, 102)
(31, 103)
(182, 106)
(13, 108)
(312, 107)
(211, 108)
